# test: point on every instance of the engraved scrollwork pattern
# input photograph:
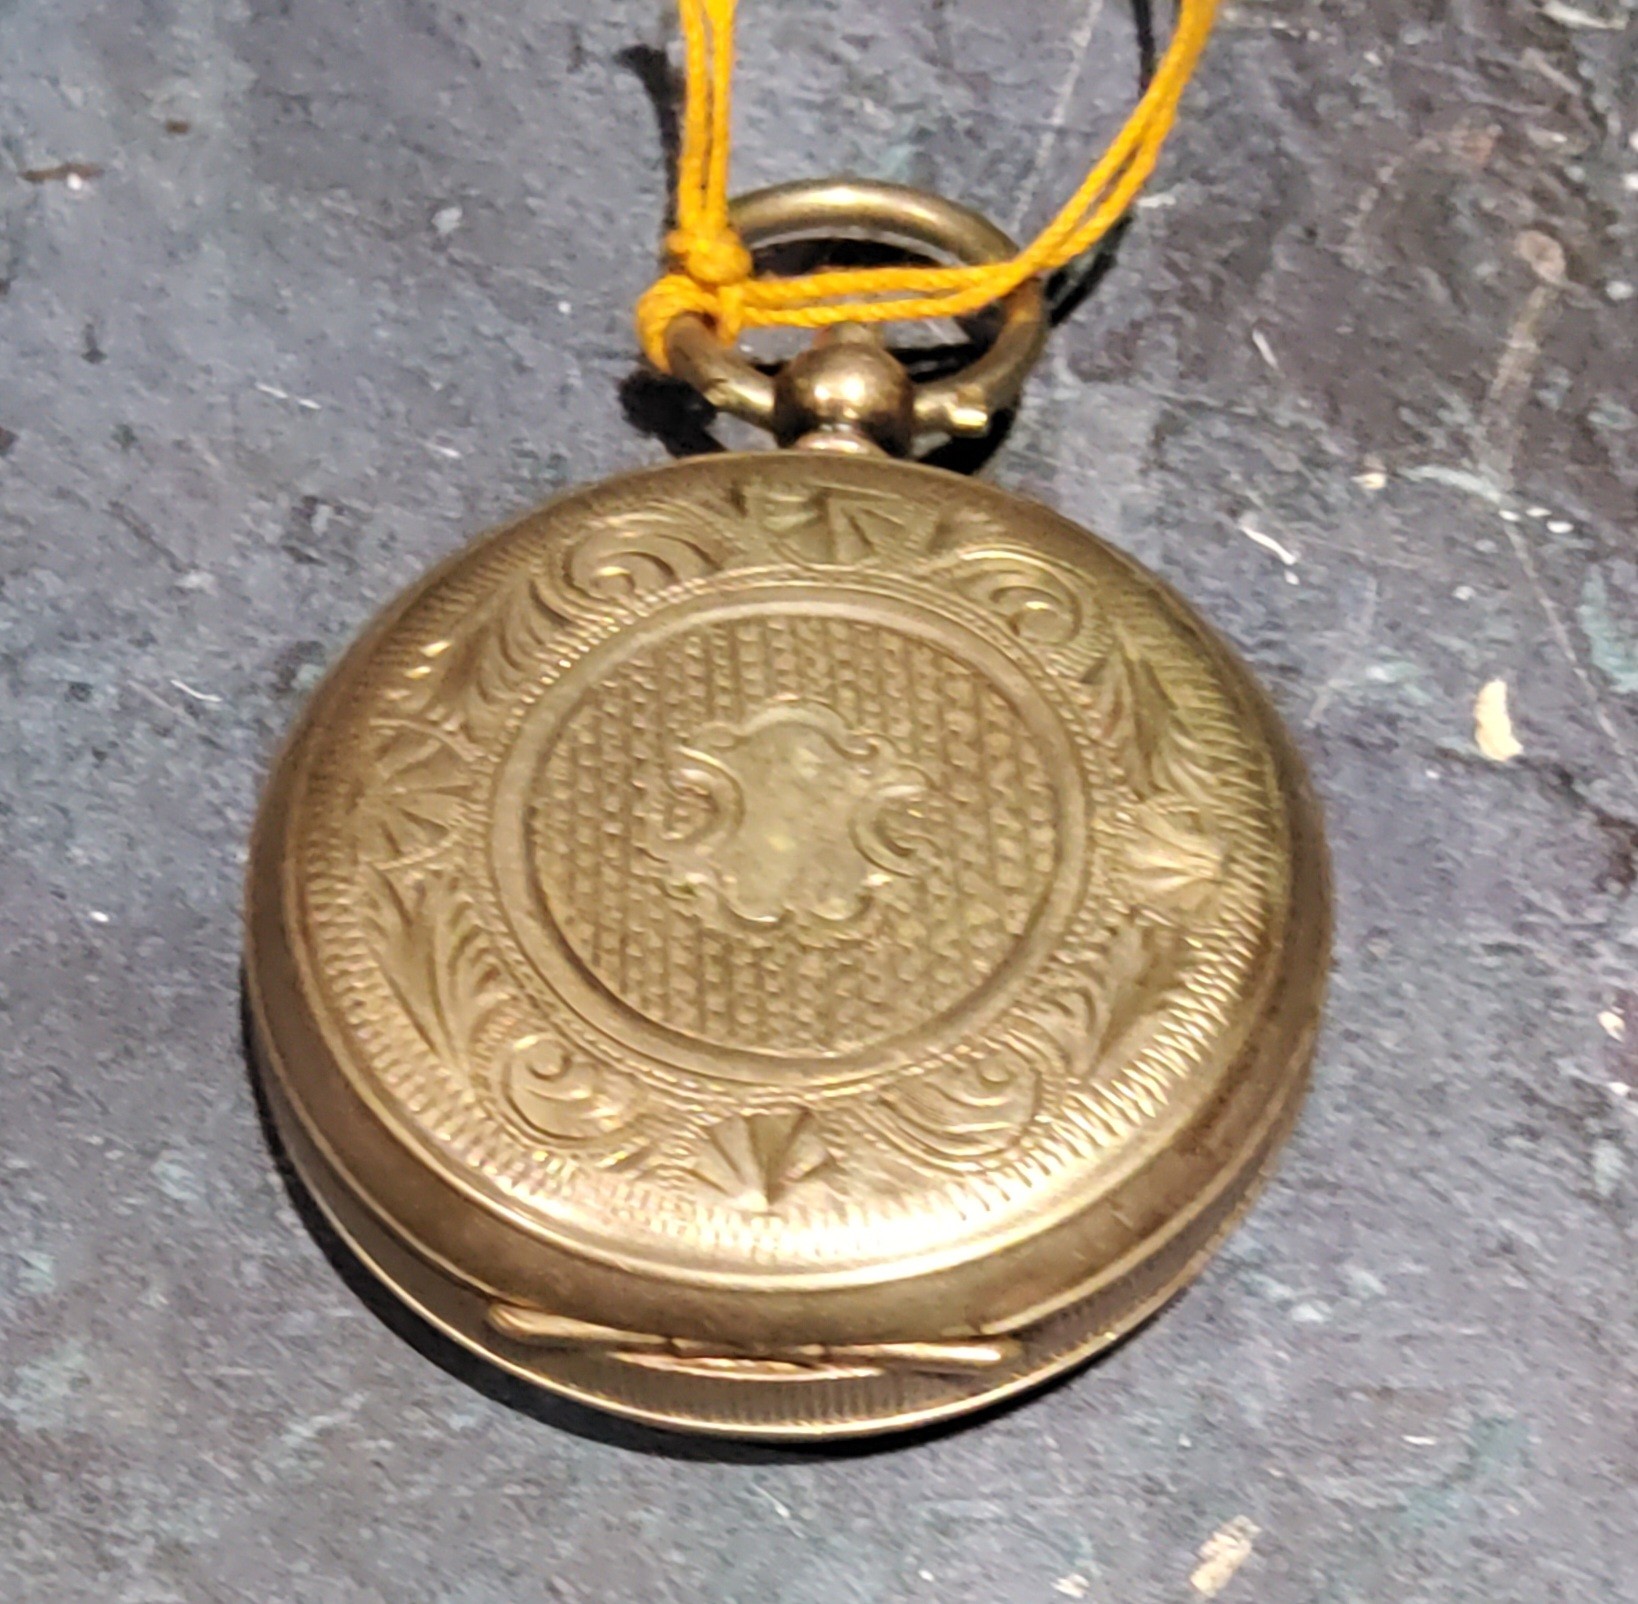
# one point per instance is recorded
(465, 679)
(1042, 604)
(435, 952)
(422, 775)
(562, 1094)
(1173, 861)
(628, 555)
(437, 959)
(966, 1113)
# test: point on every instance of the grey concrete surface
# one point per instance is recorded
(327, 287)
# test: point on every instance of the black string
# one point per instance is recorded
(1068, 289)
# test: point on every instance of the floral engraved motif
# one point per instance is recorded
(1174, 867)
(797, 817)
(564, 1094)
(423, 778)
(467, 679)
(755, 1160)
(1143, 726)
(1105, 1021)
(438, 962)
(836, 525)
(965, 1112)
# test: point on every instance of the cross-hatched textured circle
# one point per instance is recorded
(793, 834)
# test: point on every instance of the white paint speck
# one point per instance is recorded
(1508, 516)
(565, 307)
(1542, 254)
(98, 917)
(1222, 1554)
(75, 183)
(773, 1503)
(449, 453)
(1463, 593)
(1493, 724)
(1559, 526)
(1618, 1088)
(1311, 1314)
(446, 220)
(1629, 182)
(1575, 17)
(1620, 289)
(1421, 1442)
(208, 697)
(1470, 484)
(1072, 1586)
(39, 1272)
(302, 401)
(1264, 349)
(1267, 542)
(1537, 512)
(1614, 1024)
(1373, 479)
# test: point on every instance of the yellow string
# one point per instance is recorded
(711, 271)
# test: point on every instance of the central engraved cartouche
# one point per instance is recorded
(793, 834)
(803, 820)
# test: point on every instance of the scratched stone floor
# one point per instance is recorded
(294, 295)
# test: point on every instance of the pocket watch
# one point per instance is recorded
(796, 943)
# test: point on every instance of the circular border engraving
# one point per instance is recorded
(738, 1233)
(462, 1012)
(591, 1002)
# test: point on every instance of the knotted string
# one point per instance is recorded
(711, 270)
